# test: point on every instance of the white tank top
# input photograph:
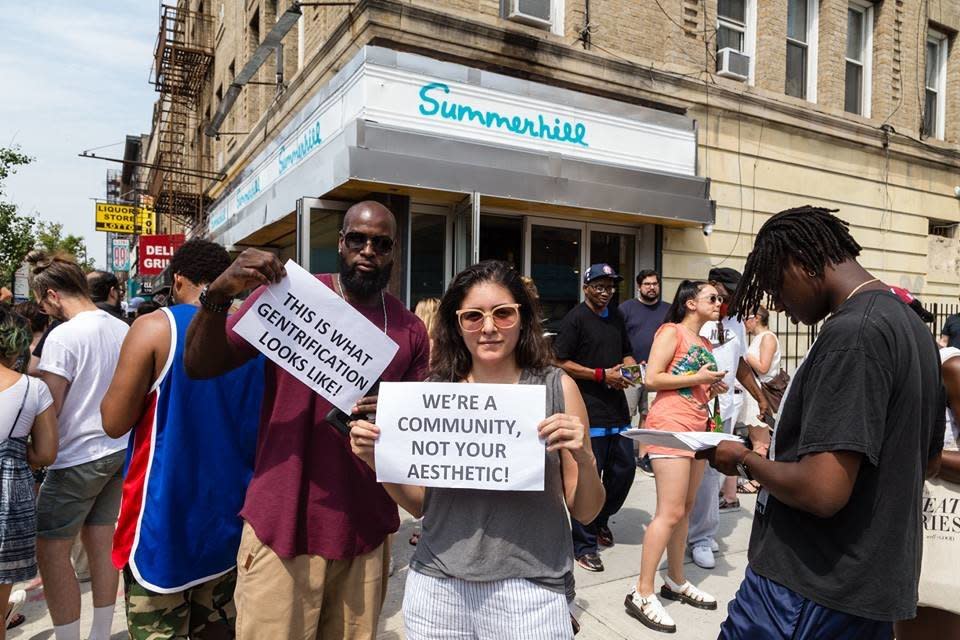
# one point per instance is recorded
(951, 437)
(754, 350)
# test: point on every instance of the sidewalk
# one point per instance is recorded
(599, 595)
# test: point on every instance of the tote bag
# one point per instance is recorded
(940, 567)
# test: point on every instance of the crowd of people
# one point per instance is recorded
(208, 477)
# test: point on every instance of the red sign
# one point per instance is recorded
(155, 253)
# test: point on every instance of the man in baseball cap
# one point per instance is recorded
(591, 347)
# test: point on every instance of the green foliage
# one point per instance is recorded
(50, 238)
(16, 231)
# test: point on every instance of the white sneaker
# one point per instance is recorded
(703, 557)
(714, 546)
(649, 611)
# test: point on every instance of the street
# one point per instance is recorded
(599, 595)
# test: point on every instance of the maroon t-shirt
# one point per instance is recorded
(309, 493)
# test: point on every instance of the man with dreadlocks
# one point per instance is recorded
(835, 547)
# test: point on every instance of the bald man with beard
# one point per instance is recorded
(313, 556)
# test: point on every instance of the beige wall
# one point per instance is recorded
(763, 150)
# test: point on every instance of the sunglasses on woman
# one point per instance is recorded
(504, 316)
(356, 241)
(713, 298)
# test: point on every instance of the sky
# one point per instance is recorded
(74, 75)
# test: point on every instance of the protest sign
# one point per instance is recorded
(315, 336)
(457, 435)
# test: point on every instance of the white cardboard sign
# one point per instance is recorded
(315, 336)
(458, 435)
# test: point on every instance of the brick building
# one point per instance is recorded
(557, 133)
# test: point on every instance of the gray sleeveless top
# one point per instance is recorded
(481, 536)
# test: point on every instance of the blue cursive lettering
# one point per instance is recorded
(304, 145)
(558, 130)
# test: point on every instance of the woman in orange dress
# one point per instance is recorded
(683, 372)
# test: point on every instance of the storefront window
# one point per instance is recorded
(555, 269)
(428, 252)
(502, 239)
(324, 233)
(619, 251)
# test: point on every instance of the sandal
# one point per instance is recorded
(649, 612)
(16, 621)
(748, 487)
(414, 538)
(17, 599)
(728, 505)
(688, 594)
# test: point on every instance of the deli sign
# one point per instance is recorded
(155, 252)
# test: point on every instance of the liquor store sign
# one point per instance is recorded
(125, 218)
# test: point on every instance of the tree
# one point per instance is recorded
(16, 231)
(50, 238)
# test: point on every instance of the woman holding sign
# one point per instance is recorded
(683, 372)
(492, 564)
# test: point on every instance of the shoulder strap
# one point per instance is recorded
(23, 403)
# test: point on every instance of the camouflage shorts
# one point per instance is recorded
(205, 611)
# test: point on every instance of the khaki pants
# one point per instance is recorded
(308, 597)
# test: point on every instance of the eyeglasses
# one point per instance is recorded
(504, 316)
(603, 288)
(649, 284)
(356, 241)
(713, 298)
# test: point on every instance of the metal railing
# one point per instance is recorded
(795, 339)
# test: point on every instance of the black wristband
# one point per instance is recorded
(210, 306)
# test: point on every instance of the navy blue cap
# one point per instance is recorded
(601, 270)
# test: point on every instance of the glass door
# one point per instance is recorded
(555, 261)
(501, 238)
(429, 257)
(318, 232)
(618, 248)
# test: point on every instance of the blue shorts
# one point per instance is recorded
(765, 610)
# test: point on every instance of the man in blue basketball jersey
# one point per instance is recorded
(189, 460)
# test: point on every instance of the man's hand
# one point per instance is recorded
(615, 379)
(366, 406)
(252, 268)
(724, 457)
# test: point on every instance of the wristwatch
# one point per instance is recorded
(210, 306)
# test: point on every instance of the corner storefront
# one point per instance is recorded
(475, 165)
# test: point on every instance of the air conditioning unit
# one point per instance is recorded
(533, 12)
(733, 64)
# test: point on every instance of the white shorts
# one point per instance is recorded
(514, 609)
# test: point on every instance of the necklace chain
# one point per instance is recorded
(383, 299)
(860, 286)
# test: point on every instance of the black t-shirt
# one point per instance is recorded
(870, 384)
(642, 321)
(596, 342)
(951, 329)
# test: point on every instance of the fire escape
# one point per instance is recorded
(182, 58)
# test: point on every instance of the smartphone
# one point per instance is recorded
(634, 373)
(341, 421)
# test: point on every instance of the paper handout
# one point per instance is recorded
(687, 440)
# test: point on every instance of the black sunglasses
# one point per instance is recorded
(357, 241)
